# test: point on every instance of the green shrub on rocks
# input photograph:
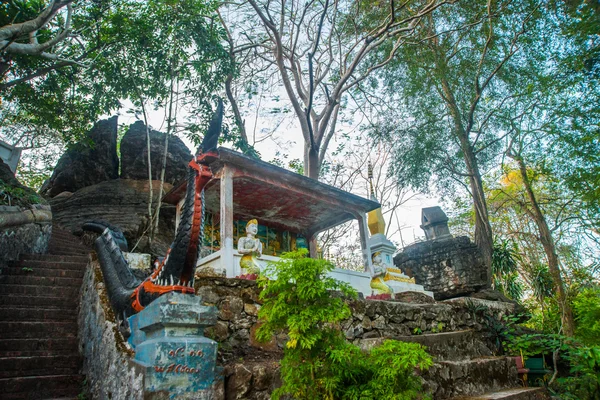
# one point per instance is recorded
(318, 363)
(11, 195)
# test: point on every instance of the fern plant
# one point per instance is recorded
(318, 363)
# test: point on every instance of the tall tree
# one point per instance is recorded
(319, 52)
(124, 49)
(451, 85)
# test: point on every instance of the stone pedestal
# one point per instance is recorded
(380, 243)
(168, 340)
(394, 278)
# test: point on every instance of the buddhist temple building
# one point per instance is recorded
(291, 210)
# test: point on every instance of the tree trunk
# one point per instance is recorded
(311, 162)
(483, 230)
(550, 250)
(150, 194)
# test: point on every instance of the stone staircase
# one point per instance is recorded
(39, 356)
(465, 368)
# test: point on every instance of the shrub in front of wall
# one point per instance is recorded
(318, 363)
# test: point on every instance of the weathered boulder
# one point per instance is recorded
(120, 202)
(449, 267)
(413, 297)
(91, 161)
(134, 155)
(251, 380)
(13, 193)
(6, 175)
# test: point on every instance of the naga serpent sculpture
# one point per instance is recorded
(127, 294)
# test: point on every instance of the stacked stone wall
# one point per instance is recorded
(238, 304)
(109, 371)
(24, 231)
(251, 367)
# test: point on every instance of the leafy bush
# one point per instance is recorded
(586, 306)
(318, 363)
(584, 380)
(18, 196)
(504, 270)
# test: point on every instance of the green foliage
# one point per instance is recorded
(586, 307)
(300, 300)
(584, 380)
(318, 363)
(504, 269)
(535, 344)
(18, 196)
(125, 49)
(387, 372)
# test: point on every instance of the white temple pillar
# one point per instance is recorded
(364, 242)
(226, 225)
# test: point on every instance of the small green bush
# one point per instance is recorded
(586, 307)
(318, 363)
(18, 196)
(583, 382)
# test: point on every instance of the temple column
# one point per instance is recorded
(364, 241)
(226, 225)
(312, 246)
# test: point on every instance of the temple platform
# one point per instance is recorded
(360, 281)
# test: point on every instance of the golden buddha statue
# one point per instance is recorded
(250, 247)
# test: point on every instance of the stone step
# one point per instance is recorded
(33, 264)
(39, 301)
(520, 393)
(20, 271)
(61, 252)
(55, 258)
(37, 329)
(39, 365)
(459, 345)
(67, 245)
(15, 313)
(33, 290)
(41, 387)
(69, 240)
(40, 280)
(39, 345)
(447, 379)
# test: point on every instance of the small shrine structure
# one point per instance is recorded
(434, 222)
(291, 210)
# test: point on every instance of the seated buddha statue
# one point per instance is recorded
(379, 273)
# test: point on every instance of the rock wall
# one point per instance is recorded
(110, 373)
(92, 160)
(123, 203)
(24, 231)
(449, 268)
(134, 155)
(251, 368)
(238, 304)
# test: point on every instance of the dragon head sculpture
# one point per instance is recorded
(128, 295)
